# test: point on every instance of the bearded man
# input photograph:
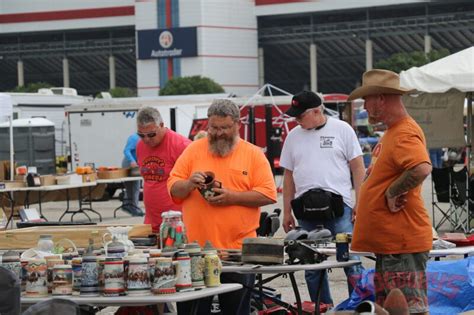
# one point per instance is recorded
(232, 214)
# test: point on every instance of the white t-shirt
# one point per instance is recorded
(320, 158)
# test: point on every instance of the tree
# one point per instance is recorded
(118, 92)
(404, 61)
(191, 85)
(31, 87)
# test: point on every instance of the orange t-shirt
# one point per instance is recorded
(377, 229)
(245, 169)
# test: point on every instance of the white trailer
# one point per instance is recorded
(98, 130)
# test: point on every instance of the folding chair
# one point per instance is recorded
(460, 200)
(440, 188)
(451, 187)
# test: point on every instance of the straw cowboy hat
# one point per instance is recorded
(378, 81)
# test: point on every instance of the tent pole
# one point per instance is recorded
(469, 150)
(12, 153)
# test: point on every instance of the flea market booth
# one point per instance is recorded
(444, 86)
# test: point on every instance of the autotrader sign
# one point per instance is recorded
(167, 43)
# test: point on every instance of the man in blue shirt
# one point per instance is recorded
(132, 189)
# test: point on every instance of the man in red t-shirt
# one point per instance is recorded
(157, 151)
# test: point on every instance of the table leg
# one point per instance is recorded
(67, 206)
(297, 294)
(40, 207)
(318, 296)
(12, 203)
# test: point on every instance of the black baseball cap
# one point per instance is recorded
(302, 101)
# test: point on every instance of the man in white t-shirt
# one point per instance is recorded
(321, 152)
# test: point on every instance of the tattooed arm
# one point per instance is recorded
(396, 192)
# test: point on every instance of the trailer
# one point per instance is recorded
(98, 130)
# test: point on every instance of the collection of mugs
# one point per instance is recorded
(134, 275)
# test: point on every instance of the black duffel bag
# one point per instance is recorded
(318, 204)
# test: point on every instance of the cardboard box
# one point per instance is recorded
(20, 178)
(15, 184)
(79, 234)
(87, 178)
(69, 179)
(48, 180)
(121, 172)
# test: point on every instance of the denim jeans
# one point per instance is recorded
(339, 225)
(132, 191)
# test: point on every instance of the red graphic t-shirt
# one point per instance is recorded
(155, 166)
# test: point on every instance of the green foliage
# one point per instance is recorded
(118, 92)
(31, 87)
(191, 85)
(404, 61)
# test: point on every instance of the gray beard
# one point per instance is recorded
(222, 147)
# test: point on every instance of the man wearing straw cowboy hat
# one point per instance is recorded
(390, 201)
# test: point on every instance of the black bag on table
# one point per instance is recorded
(318, 204)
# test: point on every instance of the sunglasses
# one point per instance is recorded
(149, 135)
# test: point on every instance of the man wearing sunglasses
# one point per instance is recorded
(157, 151)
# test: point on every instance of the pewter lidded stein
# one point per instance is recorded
(197, 264)
(90, 272)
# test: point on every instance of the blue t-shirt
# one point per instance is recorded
(130, 150)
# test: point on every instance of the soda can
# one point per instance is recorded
(342, 247)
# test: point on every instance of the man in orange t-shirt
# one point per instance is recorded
(392, 221)
(233, 214)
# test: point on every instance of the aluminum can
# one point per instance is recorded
(212, 270)
(342, 247)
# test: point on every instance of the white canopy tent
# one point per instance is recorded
(450, 79)
(454, 71)
(443, 85)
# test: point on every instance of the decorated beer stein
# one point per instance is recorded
(210, 182)
(62, 280)
(36, 278)
(114, 277)
(164, 280)
(138, 279)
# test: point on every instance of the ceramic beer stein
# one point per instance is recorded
(114, 277)
(11, 260)
(62, 280)
(37, 278)
(164, 279)
(183, 271)
(138, 279)
(209, 183)
(197, 264)
(76, 275)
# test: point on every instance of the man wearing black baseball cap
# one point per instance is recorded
(319, 156)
